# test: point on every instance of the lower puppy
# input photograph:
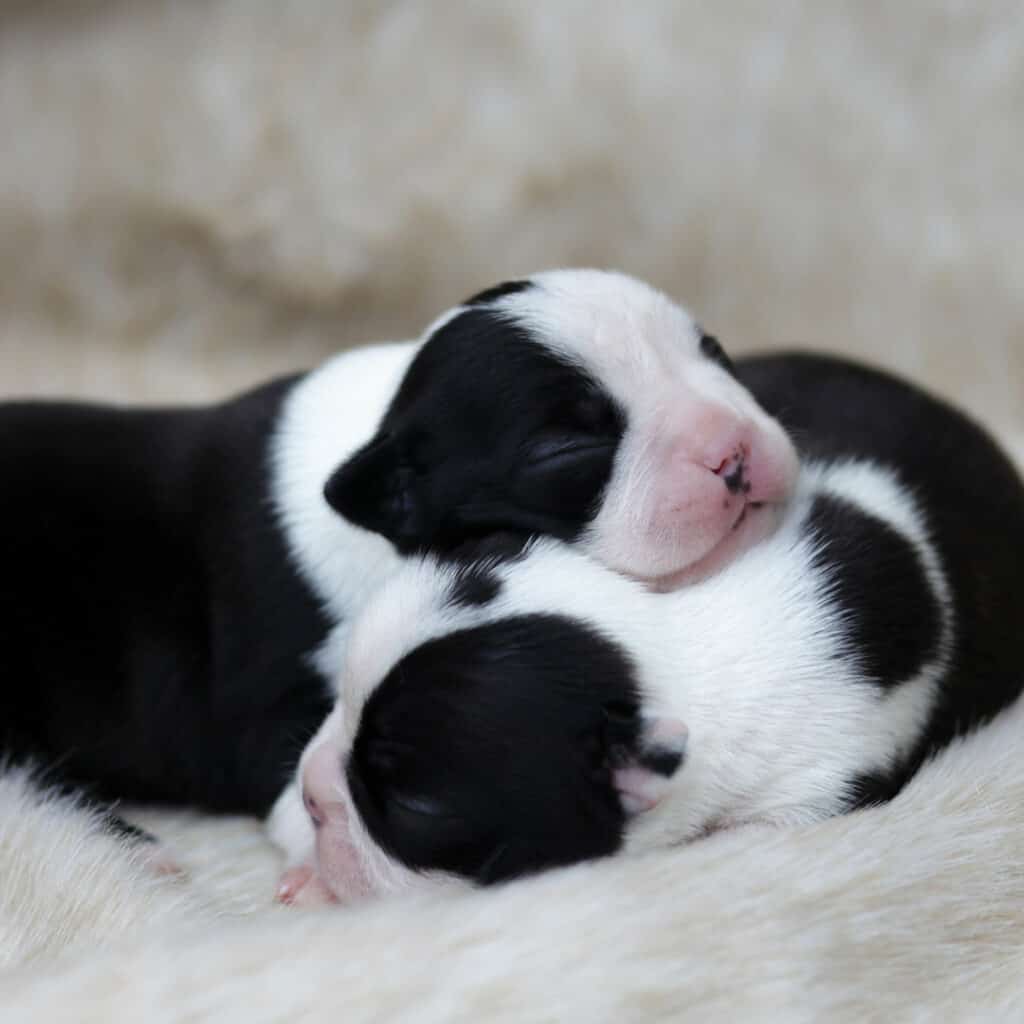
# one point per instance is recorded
(509, 716)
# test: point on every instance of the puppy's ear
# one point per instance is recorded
(378, 490)
(643, 754)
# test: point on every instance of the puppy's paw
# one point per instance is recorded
(301, 886)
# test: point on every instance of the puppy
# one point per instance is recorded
(513, 715)
(619, 427)
(177, 588)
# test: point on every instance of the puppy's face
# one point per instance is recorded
(578, 404)
(483, 754)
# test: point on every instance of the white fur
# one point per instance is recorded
(61, 872)
(755, 660)
(911, 911)
(328, 415)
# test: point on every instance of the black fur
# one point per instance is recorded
(488, 432)
(488, 752)
(878, 582)
(498, 291)
(474, 586)
(873, 788)
(155, 631)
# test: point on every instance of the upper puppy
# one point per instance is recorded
(579, 404)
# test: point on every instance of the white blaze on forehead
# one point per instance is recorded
(622, 332)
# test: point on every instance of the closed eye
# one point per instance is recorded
(423, 806)
(551, 451)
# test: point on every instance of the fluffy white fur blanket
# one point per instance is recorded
(910, 911)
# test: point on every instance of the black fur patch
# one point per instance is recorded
(487, 753)
(873, 788)
(474, 586)
(497, 291)
(892, 616)
(489, 432)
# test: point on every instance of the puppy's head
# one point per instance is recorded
(581, 405)
(492, 751)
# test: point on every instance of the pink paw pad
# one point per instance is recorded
(301, 887)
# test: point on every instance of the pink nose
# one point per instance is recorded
(720, 441)
(723, 444)
(733, 471)
(322, 786)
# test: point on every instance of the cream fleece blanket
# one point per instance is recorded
(196, 195)
(910, 911)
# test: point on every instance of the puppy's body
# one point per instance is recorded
(156, 631)
(966, 492)
(813, 674)
(177, 589)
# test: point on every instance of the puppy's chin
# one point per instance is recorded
(755, 524)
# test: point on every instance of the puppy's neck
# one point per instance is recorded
(330, 413)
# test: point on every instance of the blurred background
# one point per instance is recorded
(195, 195)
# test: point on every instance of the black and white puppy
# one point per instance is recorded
(177, 590)
(510, 716)
(579, 405)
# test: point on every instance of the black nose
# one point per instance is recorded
(735, 479)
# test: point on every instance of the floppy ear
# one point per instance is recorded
(641, 772)
(378, 490)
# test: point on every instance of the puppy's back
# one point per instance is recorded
(965, 487)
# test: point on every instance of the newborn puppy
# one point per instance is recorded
(177, 589)
(577, 405)
(508, 716)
